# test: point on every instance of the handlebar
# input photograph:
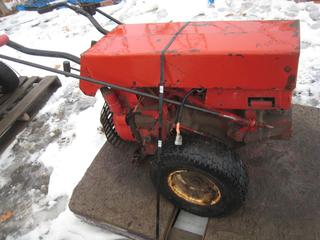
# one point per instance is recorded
(78, 10)
(4, 39)
(43, 53)
(83, 11)
(50, 7)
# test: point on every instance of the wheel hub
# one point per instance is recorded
(194, 187)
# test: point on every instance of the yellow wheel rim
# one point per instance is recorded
(194, 187)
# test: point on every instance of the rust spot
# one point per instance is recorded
(172, 51)
(291, 83)
(194, 50)
(295, 24)
(287, 69)
(203, 24)
(235, 54)
(235, 33)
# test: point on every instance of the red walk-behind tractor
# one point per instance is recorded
(188, 94)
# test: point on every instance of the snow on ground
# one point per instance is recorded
(41, 167)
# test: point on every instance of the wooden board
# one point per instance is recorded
(118, 195)
(283, 200)
(178, 234)
(14, 105)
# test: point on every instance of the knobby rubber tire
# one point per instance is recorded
(210, 158)
(8, 79)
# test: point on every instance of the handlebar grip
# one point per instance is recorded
(4, 39)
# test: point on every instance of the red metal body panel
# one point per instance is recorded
(245, 58)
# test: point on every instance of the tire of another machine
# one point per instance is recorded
(202, 176)
(8, 79)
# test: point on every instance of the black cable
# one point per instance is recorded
(43, 53)
(109, 17)
(184, 100)
(160, 123)
(237, 119)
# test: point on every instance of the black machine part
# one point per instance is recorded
(108, 126)
(86, 11)
(67, 67)
(109, 17)
(77, 10)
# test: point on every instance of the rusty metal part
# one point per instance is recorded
(194, 187)
(281, 122)
(279, 126)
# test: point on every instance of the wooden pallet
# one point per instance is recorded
(15, 106)
(283, 201)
